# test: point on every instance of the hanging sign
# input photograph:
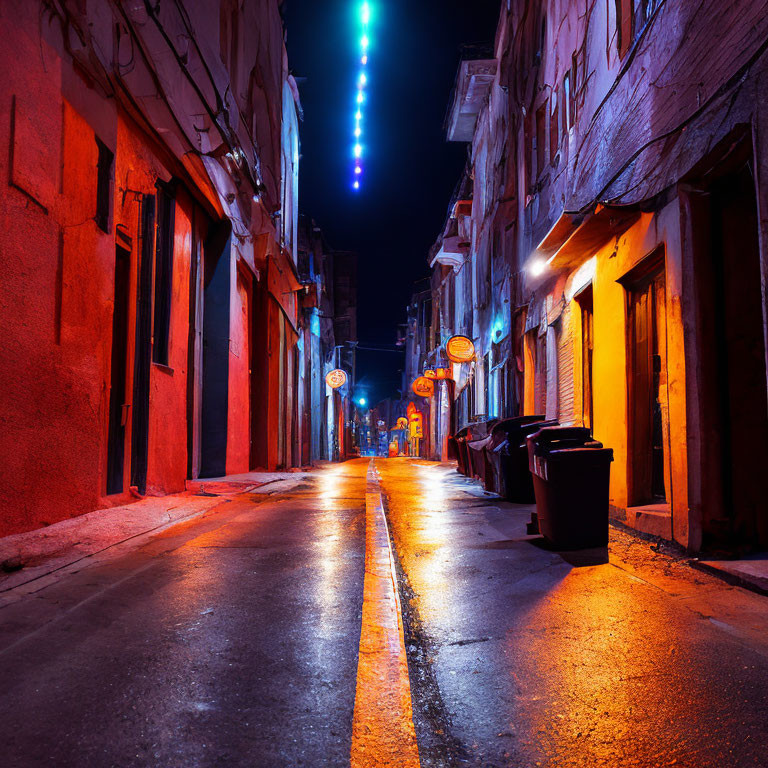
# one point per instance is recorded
(460, 349)
(423, 387)
(336, 378)
(443, 373)
(402, 423)
(430, 374)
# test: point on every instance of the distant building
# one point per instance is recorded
(329, 336)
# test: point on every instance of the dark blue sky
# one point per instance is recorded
(410, 170)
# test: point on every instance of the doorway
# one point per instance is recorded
(215, 399)
(585, 302)
(647, 384)
(118, 409)
(734, 380)
(143, 351)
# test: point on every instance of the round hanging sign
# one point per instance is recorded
(460, 349)
(423, 387)
(336, 378)
(430, 374)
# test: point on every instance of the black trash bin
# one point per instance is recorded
(479, 435)
(516, 482)
(571, 474)
(498, 442)
(461, 451)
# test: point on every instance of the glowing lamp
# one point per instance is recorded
(336, 378)
(423, 387)
(356, 185)
(460, 349)
(536, 267)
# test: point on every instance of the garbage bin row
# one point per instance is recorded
(563, 470)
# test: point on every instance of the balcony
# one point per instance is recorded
(452, 253)
(473, 84)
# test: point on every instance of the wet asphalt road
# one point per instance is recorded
(233, 640)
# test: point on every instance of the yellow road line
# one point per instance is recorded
(382, 730)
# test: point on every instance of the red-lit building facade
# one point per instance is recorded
(606, 248)
(150, 303)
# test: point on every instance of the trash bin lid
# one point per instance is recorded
(581, 454)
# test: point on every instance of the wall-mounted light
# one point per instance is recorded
(536, 266)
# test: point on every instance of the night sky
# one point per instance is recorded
(410, 169)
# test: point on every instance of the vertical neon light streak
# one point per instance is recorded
(360, 95)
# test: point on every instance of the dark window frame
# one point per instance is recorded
(104, 165)
(164, 247)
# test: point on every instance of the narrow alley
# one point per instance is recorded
(234, 638)
(384, 383)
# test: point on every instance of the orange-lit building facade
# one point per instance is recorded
(150, 304)
(606, 249)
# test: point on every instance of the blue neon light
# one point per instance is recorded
(362, 82)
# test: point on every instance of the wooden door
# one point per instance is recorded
(648, 481)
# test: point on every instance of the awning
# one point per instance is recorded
(573, 239)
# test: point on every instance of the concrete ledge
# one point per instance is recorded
(653, 519)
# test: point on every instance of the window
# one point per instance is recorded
(166, 206)
(554, 130)
(541, 138)
(623, 26)
(631, 18)
(568, 104)
(529, 154)
(103, 186)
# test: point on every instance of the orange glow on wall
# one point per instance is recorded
(460, 349)
(336, 378)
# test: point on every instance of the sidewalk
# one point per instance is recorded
(32, 560)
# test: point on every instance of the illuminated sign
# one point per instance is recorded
(417, 425)
(430, 374)
(460, 349)
(410, 409)
(423, 387)
(336, 378)
(402, 423)
(443, 373)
